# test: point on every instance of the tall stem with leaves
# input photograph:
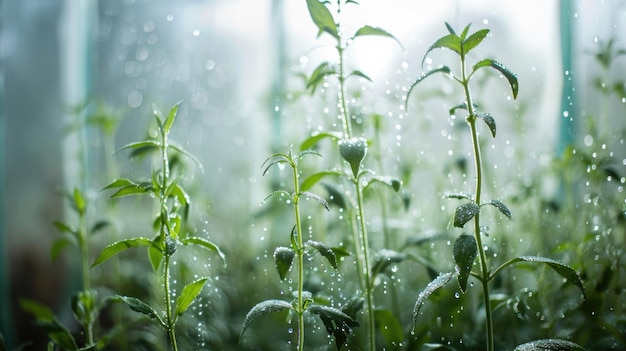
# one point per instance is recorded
(468, 247)
(337, 322)
(172, 200)
(352, 149)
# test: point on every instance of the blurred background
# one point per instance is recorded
(237, 67)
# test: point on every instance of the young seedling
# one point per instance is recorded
(337, 322)
(467, 247)
(173, 203)
(352, 149)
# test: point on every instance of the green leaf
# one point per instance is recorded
(317, 198)
(171, 117)
(64, 227)
(188, 295)
(120, 246)
(151, 144)
(386, 258)
(337, 323)
(358, 73)
(392, 182)
(465, 213)
(563, 270)
(450, 41)
(389, 327)
(46, 320)
(464, 252)
(324, 250)
(464, 33)
(353, 150)
(317, 136)
(99, 225)
(510, 76)
(501, 207)
(437, 283)
(79, 201)
(491, 123)
(138, 189)
(441, 69)
(155, 256)
(263, 308)
(450, 29)
(369, 30)
(137, 305)
(458, 196)
(59, 245)
(323, 70)
(120, 183)
(316, 177)
(322, 18)
(283, 256)
(195, 240)
(549, 345)
(473, 40)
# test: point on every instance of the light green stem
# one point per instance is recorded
(168, 304)
(478, 165)
(300, 259)
(366, 268)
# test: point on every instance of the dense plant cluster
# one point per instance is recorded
(347, 265)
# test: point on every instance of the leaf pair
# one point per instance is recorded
(469, 210)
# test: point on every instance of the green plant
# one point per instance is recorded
(85, 304)
(337, 322)
(173, 208)
(468, 247)
(352, 149)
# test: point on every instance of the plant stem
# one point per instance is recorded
(477, 235)
(300, 257)
(366, 267)
(168, 304)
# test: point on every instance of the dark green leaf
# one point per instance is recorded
(549, 345)
(324, 250)
(99, 225)
(120, 246)
(64, 227)
(464, 252)
(473, 40)
(369, 30)
(450, 41)
(140, 145)
(46, 320)
(263, 308)
(322, 18)
(317, 198)
(440, 281)
(491, 123)
(384, 259)
(283, 256)
(198, 241)
(137, 305)
(501, 207)
(450, 29)
(392, 182)
(441, 69)
(335, 196)
(563, 270)
(317, 136)
(188, 295)
(465, 213)
(389, 327)
(510, 76)
(337, 323)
